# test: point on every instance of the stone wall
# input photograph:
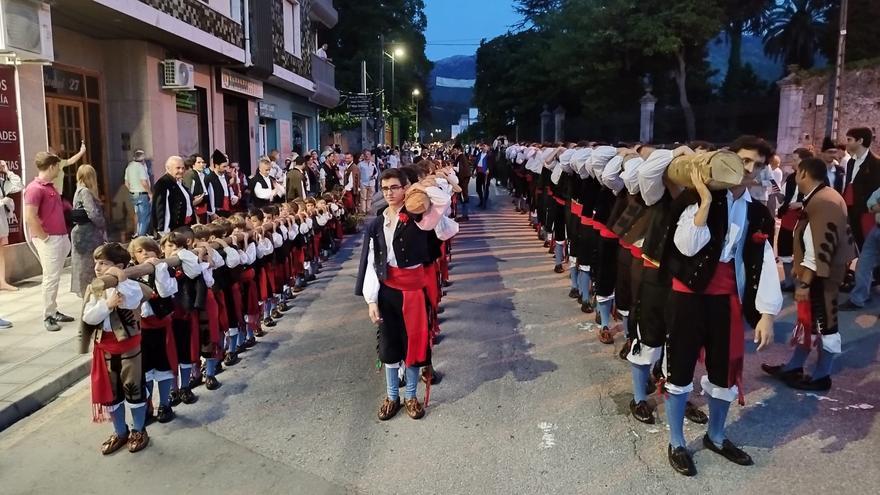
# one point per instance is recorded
(860, 106)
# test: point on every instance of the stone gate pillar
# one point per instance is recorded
(791, 95)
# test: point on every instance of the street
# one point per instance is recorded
(530, 403)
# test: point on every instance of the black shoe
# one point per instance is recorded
(694, 414)
(219, 368)
(849, 306)
(51, 324)
(465, 218)
(787, 287)
(63, 318)
(311, 278)
(776, 371)
(269, 322)
(440, 311)
(231, 359)
(164, 414)
(586, 307)
(187, 396)
(681, 461)
(650, 387)
(197, 379)
(807, 383)
(558, 269)
(730, 451)
(642, 412)
(211, 383)
(574, 293)
(175, 398)
(446, 283)
(250, 342)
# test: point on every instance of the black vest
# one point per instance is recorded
(697, 271)
(268, 183)
(410, 246)
(162, 306)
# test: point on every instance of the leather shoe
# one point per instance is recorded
(187, 396)
(694, 414)
(642, 412)
(776, 371)
(624, 351)
(574, 293)
(586, 307)
(558, 269)
(414, 408)
(63, 318)
(388, 409)
(605, 336)
(849, 306)
(164, 414)
(806, 382)
(114, 443)
(211, 383)
(730, 451)
(681, 461)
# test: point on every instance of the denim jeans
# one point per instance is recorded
(141, 205)
(868, 259)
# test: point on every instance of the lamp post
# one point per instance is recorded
(397, 52)
(415, 95)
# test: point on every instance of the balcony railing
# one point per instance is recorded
(324, 77)
(323, 11)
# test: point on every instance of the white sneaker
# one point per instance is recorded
(5, 324)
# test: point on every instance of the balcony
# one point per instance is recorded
(324, 77)
(324, 12)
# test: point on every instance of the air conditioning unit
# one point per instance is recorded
(178, 75)
(26, 30)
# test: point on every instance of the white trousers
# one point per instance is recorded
(52, 253)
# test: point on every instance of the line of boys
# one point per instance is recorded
(211, 290)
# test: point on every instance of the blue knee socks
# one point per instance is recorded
(185, 374)
(559, 251)
(138, 417)
(210, 366)
(412, 381)
(573, 274)
(605, 312)
(798, 358)
(118, 417)
(584, 284)
(823, 364)
(675, 405)
(392, 383)
(640, 376)
(718, 409)
(165, 392)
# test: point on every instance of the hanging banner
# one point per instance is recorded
(10, 147)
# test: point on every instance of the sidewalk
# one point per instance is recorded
(36, 365)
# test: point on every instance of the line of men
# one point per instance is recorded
(670, 241)
(173, 311)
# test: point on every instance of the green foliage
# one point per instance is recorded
(339, 120)
(797, 30)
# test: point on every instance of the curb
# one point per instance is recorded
(36, 395)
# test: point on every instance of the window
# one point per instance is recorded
(292, 28)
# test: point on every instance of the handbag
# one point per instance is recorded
(79, 216)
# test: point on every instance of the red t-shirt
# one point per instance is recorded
(50, 209)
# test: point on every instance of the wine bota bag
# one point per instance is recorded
(723, 168)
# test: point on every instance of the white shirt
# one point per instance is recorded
(690, 239)
(266, 193)
(368, 173)
(96, 311)
(611, 175)
(651, 176)
(856, 167)
(761, 191)
(393, 161)
(321, 53)
(136, 172)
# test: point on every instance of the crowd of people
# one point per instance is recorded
(672, 247)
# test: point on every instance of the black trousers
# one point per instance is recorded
(483, 187)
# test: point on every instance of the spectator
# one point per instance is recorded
(862, 177)
(137, 181)
(66, 162)
(172, 202)
(89, 232)
(394, 159)
(44, 218)
(10, 183)
(322, 52)
(368, 173)
(331, 172)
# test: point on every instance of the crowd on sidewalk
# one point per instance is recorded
(673, 248)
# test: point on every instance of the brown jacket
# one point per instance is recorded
(825, 213)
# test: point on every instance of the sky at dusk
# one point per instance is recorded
(463, 23)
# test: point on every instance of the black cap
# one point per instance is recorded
(217, 157)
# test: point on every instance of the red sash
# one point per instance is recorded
(415, 314)
(789, 219)
(102, 389)
(576, 208)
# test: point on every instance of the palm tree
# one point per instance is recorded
(795, 31)
(742, 17)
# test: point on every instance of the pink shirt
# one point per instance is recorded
(50, 210)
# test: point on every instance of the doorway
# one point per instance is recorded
(66, 126)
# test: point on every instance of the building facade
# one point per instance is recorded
(170, 77)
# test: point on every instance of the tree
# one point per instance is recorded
(741, 17)
(797, 30)
(533, 10)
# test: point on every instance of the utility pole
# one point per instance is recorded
(831, 127)
(382, 86)
(364, 143)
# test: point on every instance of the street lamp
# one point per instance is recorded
(415, 95)
(397, 52)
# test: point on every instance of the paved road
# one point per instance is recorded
(531, 403)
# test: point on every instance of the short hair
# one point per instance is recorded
(803, 153)
(256, 212)
(294, 207)
(862, 133)
(145, 243)
(270, 210)
(44, 160)
(815, 168)
(186, 232)
(216, 230)
(112, 252)
(754, 143)
(706, 145)
(177, 238)
(238, 221)
(266, 160)
(201, 232)
(191, 160)
(394, 173)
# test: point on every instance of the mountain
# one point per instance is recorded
(448, 103)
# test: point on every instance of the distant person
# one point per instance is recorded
(89, 232)
(44, 218)
(137, 181)
(322, 52)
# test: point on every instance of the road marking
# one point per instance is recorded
(548, 439)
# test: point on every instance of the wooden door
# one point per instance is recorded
(67, 130)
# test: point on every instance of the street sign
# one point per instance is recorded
(360, 105)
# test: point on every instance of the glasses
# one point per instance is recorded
(391, 189)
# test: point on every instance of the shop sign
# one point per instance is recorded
(10, 145)
(62, 82)
(188, 101)
(266, 110)
(237, 83)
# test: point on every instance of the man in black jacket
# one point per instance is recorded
(862, 178)
(172, 203)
